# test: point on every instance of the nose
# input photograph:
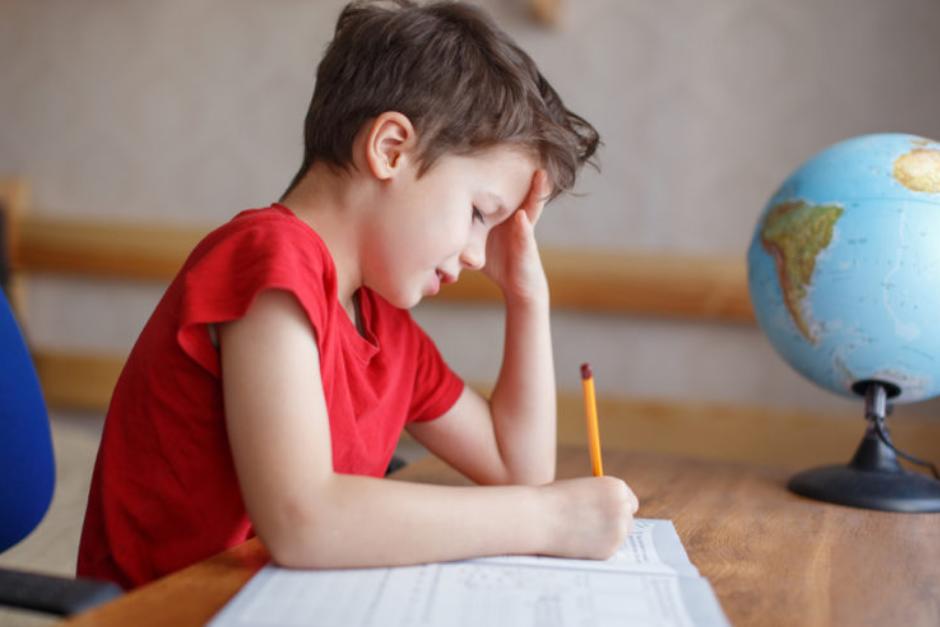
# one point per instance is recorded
(473, 255)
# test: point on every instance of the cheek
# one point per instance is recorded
(458, 231)
(441, 237)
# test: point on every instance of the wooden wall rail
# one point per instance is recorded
(655, 284)
(14, 200)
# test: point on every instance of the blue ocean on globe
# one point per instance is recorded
(844, 266)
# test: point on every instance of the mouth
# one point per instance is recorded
(434, 285)
(445, 278)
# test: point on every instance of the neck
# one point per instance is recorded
(331, 203)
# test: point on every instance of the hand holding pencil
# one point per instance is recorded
(594, 434)
(603, 506)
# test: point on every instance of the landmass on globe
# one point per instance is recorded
(919, 170)
(794, 233)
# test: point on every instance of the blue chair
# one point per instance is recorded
(27, 479)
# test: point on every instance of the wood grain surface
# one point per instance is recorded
(773, 558)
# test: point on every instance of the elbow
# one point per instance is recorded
(301, 535)
(532, 472)
(287, 544)
(310, 546)
(285, 551)
(292, 556)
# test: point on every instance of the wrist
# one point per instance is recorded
(531, 297)
(549, 519)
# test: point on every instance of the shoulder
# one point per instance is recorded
(268, 235)
(266, 227)
(257, 251)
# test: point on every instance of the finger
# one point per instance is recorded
(542, 189)
(524, 230)
(632, 500)
(538, 194)
(547, 186)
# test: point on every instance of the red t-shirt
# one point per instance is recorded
(164, 492)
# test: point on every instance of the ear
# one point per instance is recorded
(390, 144)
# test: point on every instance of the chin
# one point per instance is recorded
(411, 302)
(404, 299)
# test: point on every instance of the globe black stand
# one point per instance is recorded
(874, 479)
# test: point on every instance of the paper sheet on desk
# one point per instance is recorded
(650, 581)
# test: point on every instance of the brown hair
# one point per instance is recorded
(463, 83)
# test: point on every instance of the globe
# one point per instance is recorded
(844, 267)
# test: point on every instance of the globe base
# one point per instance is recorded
(874, 479)
(899, 491)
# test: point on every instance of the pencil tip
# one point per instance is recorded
(586, 371)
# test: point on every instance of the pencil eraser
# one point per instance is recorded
(586, 371)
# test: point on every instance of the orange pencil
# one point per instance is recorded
(590, 412)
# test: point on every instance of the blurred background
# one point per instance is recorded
(187, 111)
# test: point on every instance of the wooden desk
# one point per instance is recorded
(773, 558)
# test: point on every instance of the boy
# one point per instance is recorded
(267, 392)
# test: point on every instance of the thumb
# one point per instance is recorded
(523, 224)
(522, 229)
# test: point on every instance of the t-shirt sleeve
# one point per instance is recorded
(436, 386)
(232, 266)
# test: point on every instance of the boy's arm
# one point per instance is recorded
(510, 439)
(309, 516)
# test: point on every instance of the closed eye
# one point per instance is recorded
(478, 215)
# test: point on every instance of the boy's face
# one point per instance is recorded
(428, 230)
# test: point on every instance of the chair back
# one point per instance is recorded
(27, 465)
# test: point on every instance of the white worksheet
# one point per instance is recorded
(650, 581)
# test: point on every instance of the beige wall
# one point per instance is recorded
(190, 110)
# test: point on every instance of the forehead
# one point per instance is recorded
(506, 156)
(504, 170)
